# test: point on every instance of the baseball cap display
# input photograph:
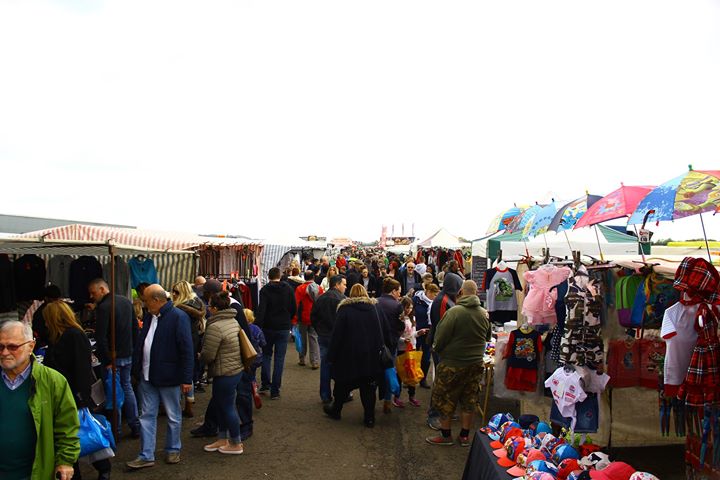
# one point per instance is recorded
(596, 460)
(614, 471)
(514, 450)
(539, 476)
(523, 460)
(496, 422)
(564, 451)
(509, 432)
(643, 476)
(526, 420)
(566, 467)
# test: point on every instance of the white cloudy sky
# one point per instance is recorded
(333, 117)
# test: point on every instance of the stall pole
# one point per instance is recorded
(112, 342)
(707, 245)
(597, 236)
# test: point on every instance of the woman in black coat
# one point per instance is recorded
(69, 353)
(354, 352)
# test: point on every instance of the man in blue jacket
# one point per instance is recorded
(163, 363)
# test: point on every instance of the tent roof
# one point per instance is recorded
(134, 238)
(443, 239)
(40, 246)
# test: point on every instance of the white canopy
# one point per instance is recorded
(583, 240)
(443, 239)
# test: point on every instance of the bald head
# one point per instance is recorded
(199, 281)
(155, 298)
(469, 288)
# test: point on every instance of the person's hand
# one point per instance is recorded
(185, 387)
(90, 306)
(423, 331)
(64, 472)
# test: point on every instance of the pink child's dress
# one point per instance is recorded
(539, 305)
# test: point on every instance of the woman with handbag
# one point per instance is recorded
(354, 352)
(221, 353)
(69, 353)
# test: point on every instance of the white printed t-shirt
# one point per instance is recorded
(567, 391)
(593, 381)
(678, 331)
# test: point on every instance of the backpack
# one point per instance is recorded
(625, 291)
(313, 290)
(660, 295)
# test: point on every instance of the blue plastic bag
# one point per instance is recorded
(90, 434)
(298, 338)
(106, 429)
(391, 380)
(118, 391)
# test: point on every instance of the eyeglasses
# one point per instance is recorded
(12, 347)
(175, 292)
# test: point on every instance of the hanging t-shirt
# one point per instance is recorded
(593, 381)
(678, 331)
(142, 271)
(567, 391)
(29, 278)
(83, 271)
(539, 305)
(59, 273)
(587, 415)
(523, 353)
(501, 285)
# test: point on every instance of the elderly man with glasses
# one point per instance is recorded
(409, 280)
(38, 419)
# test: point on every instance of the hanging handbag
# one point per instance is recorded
(384, 354)
(247, 351)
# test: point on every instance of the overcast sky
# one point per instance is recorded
(267, 118)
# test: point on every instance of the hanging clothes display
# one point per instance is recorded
(122, 276)
(82, 271)
(29, 278)
(58, 273)
(142, 269)
(523, 352)
(582, 342)
(556, 333)
(539, 305)
(678, 331)
(228, 263)
(501, 284)
(7, 285)
(209, 262)
(567, 391)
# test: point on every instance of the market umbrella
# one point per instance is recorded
(569, 214)
(692, 193)
(519, 222)
(618, 204)
(501, 222)
(540, 223)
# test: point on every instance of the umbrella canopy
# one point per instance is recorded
(541, 222)
(518, 224)
(620, 203)
(694, 192)
(501, 222)
(569, 214)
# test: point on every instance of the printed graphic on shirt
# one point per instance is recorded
(504, 290)
(525, 349)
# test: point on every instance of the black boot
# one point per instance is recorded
(332, 411)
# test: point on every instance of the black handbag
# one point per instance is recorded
(384, 354)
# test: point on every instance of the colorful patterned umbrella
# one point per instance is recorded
(620, 203)
(694, 192)
(570, 213)
(540, 223)
(501, 222)
(518, 224)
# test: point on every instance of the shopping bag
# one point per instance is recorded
(120, 395)
(106, 428)
(247, 351)
(391, 381)
(90, 434)
(408, 367)
(298, 338)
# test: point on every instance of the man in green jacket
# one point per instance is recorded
(38, 419)
(460, 340)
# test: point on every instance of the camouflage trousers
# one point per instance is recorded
(456, 385)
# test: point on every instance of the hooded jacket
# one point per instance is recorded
(422, 304)
(277, 306)
(461, 336)
(392, 310)
(221, 347)
(452, 284)
(195, 310)
(322, 315)
(305, 302)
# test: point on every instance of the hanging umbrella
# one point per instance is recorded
(540, 223)
(519, 222)
(501, 222)
(692, 193)
(569, 214)
(620, 203)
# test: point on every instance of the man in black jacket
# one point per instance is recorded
(274, 314)
(126, 333)
(322, 317)
(409, 280)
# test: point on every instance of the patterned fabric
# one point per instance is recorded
(582, 343)
(702, 382)
(455, 385)
(699, 280)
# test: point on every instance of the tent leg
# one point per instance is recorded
(707, 245)
(597, 236)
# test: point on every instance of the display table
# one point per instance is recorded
(481, 464)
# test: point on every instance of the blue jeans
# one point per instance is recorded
(244, 404)
(224, 390)
(130, 407)
(277, 341)
(150, 397)
(325, 392)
